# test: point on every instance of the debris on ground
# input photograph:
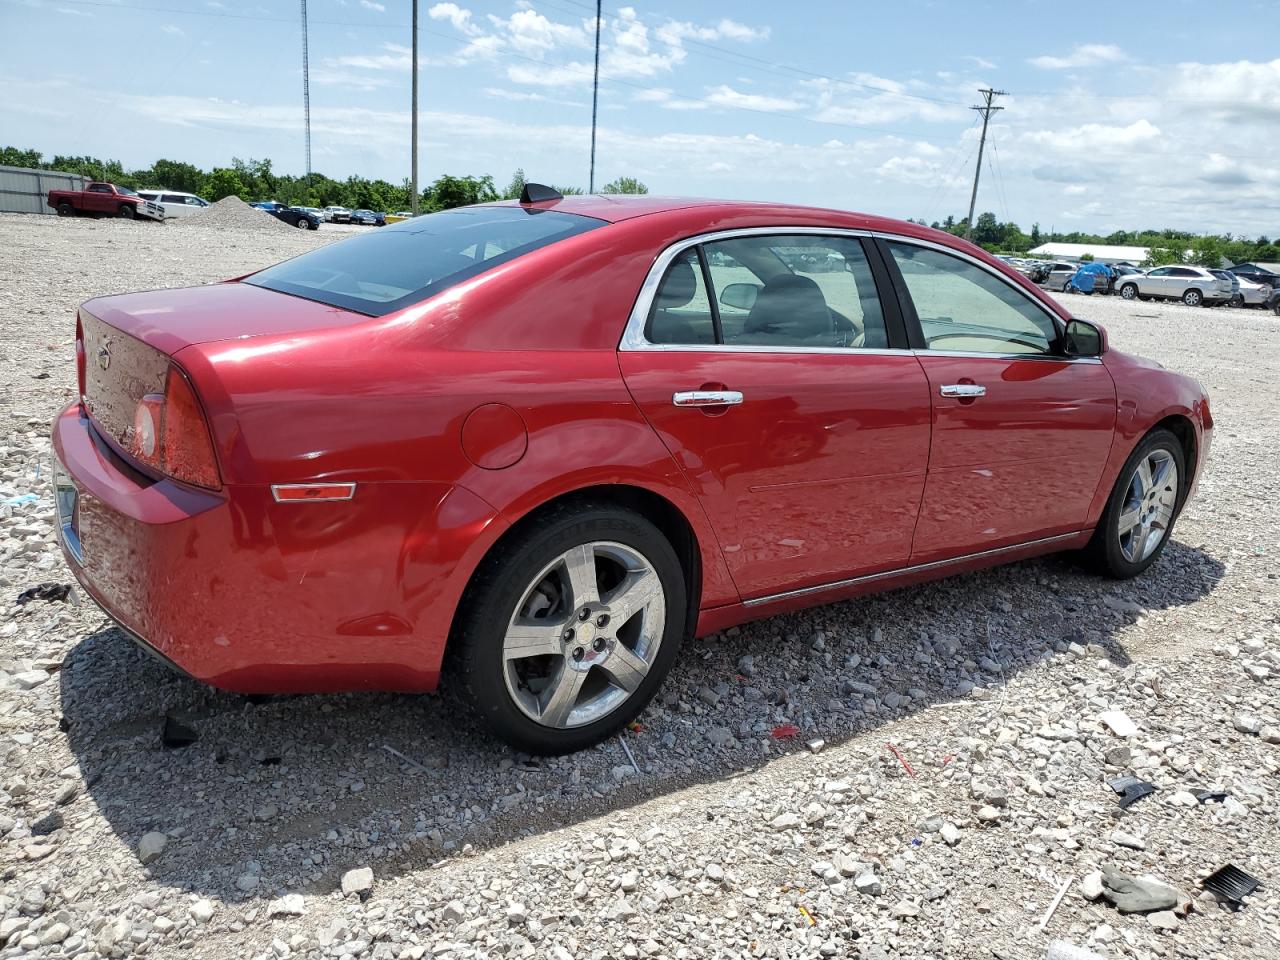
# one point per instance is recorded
(51, 592)
(1130, 789)
(1136, 894)
(1231, 884)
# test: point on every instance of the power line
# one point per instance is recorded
(986, 110)
(413, 126)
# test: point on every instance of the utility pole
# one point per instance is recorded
(413, 199)
(986, 110)
(595, 99)
(306, 90)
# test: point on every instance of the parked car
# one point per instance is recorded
(174, 203)
(369, 218)
(1192, 285)
(103, 199)
(1257, 274)
(293, 217)
(1250, 294)
(337, 214)
(1122, 270)
(315, 210)
(319, 475)
(1058, 275)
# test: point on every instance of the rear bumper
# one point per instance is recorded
(259, 597)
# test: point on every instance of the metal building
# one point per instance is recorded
(23, 190)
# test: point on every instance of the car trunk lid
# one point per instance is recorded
(128, 340)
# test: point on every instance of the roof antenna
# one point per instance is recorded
(538, 192)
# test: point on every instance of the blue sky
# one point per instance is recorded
(1160, 114)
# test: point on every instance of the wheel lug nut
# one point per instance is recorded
(602, 620)
(567, 635)
(598, 645)
(584, 614)
(579, 653)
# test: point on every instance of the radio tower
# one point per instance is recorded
(306, 89)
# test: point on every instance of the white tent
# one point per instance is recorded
(1102, 252)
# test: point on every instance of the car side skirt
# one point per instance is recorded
(758, 608)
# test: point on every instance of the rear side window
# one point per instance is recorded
(401, 265)
(797, 291)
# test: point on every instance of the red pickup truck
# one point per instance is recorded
(103, 199)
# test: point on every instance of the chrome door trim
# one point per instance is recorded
(903, 571)
(706, 398)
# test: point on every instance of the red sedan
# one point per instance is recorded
(558, 437)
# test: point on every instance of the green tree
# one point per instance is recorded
(1086, 258)
(987, 229)
(449, 192)
(224, 182)
(1035, 235)
(624, 185)
(13, 157)
(516, 186)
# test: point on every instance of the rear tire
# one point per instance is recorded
(1237, 300)
(1129, 292)
(1138, 519)
(544, 656)
(1193, 298)
(66, 210)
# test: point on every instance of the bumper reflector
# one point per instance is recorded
(312, 492)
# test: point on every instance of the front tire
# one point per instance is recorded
(1140, 513)
(301, 223)
(127, 212)
(566, 633)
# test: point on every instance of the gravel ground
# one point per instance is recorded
(997, 690)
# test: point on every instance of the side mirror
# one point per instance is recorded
(741, 296)
(1085, 339)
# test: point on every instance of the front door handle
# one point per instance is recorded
(707, 398)
(963, 390)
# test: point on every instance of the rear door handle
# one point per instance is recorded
(963, 390)
(707, 398)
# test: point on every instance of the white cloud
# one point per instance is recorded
(1243, 88)
(673, 32)
(459, 18)
(1085, 55)
(726, 96)
(397, 57)
(173, 31)
(370, 5)
(1091, 137)
(982, 62)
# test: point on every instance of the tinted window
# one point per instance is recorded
(1182, 272)
(169, 198)
(966, 309)
(1160, 272)
(681, 312)
(381, 272)
(771, 291)
(99, 188)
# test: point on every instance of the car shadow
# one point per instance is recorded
(285, 793)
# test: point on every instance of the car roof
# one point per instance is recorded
(615, 208)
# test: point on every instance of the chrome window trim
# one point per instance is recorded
(904, 571)
(633, 338)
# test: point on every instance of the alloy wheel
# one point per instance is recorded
(1150, 501)
(1192, 298)
(1128, 292)
(584, 635)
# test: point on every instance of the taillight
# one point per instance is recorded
(80, 372)
(170, 433)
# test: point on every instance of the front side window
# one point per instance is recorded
(99, 188)
(965, 309)
(1160, 272)
(390, 269)
(770, 291)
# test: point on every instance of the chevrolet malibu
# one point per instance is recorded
(555, 438)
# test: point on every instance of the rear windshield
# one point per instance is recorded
(400, 265)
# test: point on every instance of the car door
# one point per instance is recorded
(1155, 283)
(790, 400)
(1021, 432)
(99, 198)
